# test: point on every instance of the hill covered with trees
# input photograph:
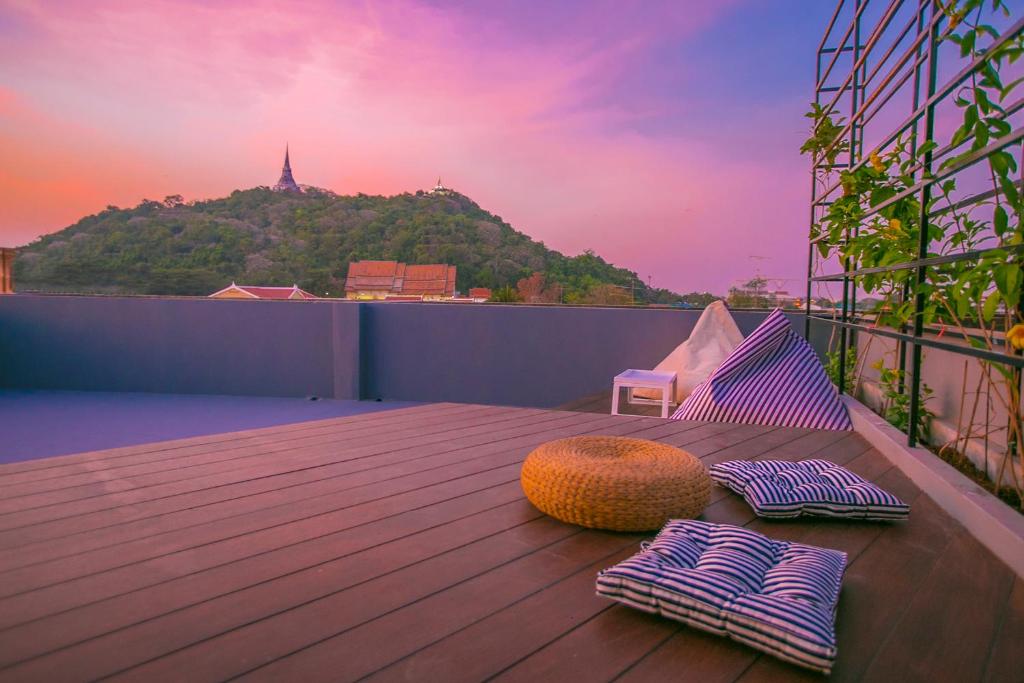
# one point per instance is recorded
(259, 236)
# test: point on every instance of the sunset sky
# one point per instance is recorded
(662, 135)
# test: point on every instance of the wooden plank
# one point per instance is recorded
(348, 590)
(64, 477)
(43, 466)
(624, 426)
(197, 510)
(712, 662)
(75, 487)
(424, 555)
(65, 537)
(948, 627)
(82, 623)
(333, 654)
(1006, 661)
(490, 645)
(598, 649)
(55, 597)
(691, 655)
(60, 581)
(304, 460)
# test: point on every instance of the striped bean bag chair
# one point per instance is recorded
(774, 596)
(777, 488)
(772, 378)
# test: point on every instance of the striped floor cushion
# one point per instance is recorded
(773, 377)
(774, 596)
(777, 488)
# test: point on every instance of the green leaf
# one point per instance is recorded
(984, 104)
(1008, 280)
(1000, 221)
(1000, 164)
(967, 42)
(999, 126)
(980, 135)
(1005, 92)
(960, 135)
(988, 310)
(986, 28)
(970, 116)
(880, 194)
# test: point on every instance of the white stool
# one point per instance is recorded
(644, 379)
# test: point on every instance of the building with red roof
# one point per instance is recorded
(391, 279)
(293, 293)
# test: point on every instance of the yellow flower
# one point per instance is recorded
(1015, 337)
(876, 162)
(896, 224)
(954, 15)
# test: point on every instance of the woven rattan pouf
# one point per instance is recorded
(612, 482)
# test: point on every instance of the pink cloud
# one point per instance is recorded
(124, 100)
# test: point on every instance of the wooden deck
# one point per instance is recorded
(398, 546)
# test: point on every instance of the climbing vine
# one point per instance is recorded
(876, 221)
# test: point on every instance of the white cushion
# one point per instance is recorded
(712, 340)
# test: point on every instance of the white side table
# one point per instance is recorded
(644, 379)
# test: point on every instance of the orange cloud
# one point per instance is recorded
(119, 101)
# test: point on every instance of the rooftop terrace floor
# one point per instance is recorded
(398, 546)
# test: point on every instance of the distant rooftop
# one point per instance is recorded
(383, 279)
(234, 291)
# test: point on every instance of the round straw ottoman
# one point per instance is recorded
(616, 483)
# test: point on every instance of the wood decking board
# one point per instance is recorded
(273, 466)
(621, 426)
(65, 489)
(329, 478)
(397, 545)
(44, 468)
(186, 458)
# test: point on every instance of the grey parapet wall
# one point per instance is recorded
(539, 356)
(167, 345)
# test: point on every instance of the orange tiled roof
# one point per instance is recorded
(431, 280)
(394, 278)
(479, 293)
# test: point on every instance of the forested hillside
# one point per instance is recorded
(263, 237)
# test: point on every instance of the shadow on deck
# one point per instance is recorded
(602, 403)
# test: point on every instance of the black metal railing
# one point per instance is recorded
(902, 47)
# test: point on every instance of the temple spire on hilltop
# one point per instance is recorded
(287, 182)
(440, 189)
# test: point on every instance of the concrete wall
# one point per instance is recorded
(540, 356)
(188, 346)
(957, 382)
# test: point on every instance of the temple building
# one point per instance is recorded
(394, 281)
(441, 189)
(233, 291)
(287, 182)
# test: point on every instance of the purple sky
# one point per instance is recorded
(662, 135)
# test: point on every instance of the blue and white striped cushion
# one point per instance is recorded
(772, 378)
(777, 488)
(774, 596)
